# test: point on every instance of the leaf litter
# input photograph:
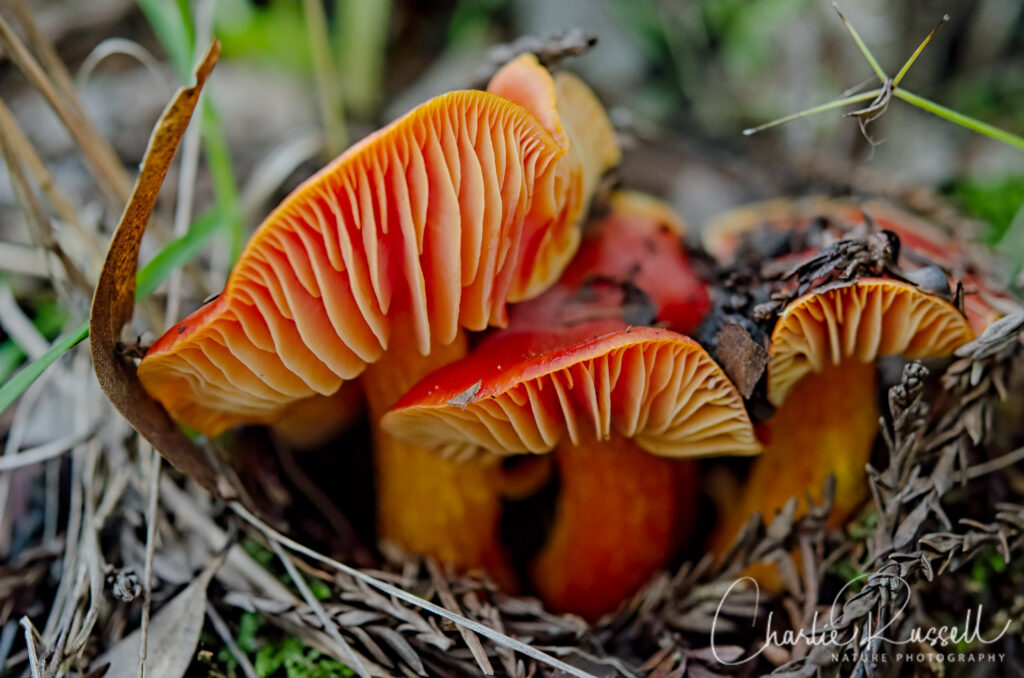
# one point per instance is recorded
(935, 451)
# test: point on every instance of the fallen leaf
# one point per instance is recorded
(173, 635)
(114, 299)
(741, 357)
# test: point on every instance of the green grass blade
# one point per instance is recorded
(961, 119)
(10, 391)
(838, 103)
(168, 22)
(917, 52)
(180, 251)
(11, 358)
(863, 48)
(174, 254)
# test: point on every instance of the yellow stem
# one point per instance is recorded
(827, 426)
(617, 522)
(426, 504)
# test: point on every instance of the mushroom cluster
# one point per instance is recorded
(445, 272)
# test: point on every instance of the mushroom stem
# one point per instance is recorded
(826, 426)
(618, 520)
(427, 504)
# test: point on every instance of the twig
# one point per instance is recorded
(27, 260)
(35, 455)
(30, 644)
(46, 53)
(993, 465)
(472, 642)
(147, 576)
(225, 635)
(330, 628)
(489, 633)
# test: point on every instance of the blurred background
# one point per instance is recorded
(297, 81)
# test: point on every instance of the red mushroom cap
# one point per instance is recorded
(523, 391)
(466, 202)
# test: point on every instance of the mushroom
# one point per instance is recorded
(619, 404)
(923, 245)
(423, 228)
(821, 378)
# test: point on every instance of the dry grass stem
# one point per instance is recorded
(112, 178)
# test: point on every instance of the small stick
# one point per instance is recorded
(147, 577)
(47, 55)
(472, 642)
(30, 644)
(24, 148)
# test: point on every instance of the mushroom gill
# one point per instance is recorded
(821, 377)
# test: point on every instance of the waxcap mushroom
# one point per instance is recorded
(517, 393)
(863, 321)
(924, 246)
(470, 200)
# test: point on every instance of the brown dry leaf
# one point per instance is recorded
(741, 357)
(173, 635)
(114, 299)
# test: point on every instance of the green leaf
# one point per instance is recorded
(23, 379)
(173, 255)
(180, 251)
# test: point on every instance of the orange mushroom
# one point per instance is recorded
(922, 243)
(423, 228)
(821, 378)
(620, 406)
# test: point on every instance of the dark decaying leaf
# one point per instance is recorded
(741, 357)
(114, 299)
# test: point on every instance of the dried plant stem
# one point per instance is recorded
(151, 523)
(472, 642)
(46, 54)
(224, 633)
(505, 641)
(30, 644)
(36, 215)
(42, 453)
(23, 148)
(349, 655)
(327, 88)
(98, 153)
(993, 465)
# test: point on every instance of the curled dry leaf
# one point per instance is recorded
(114, 299)
(173, 635)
